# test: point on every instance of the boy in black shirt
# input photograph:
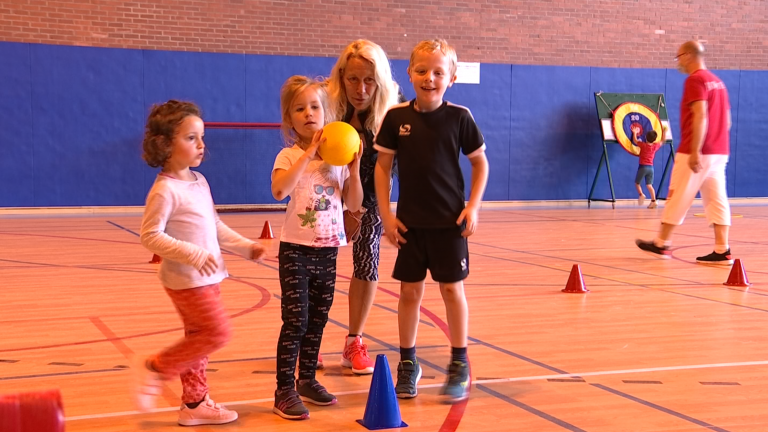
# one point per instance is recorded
(432, 223)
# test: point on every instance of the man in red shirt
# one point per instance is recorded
(705, 120)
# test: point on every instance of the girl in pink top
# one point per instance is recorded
(181, 225)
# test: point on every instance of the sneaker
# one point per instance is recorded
(207, 413)
(288, 405)
(456, 386)
(314, 392)
(148, 385)
(651, 248)
(652, 205)
(408, 375)
(641, 200)
(356, 356)
(716, 258)
(320, 364)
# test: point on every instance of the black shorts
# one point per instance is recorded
(441, 250)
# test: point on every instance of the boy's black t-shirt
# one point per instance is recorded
(427, 147)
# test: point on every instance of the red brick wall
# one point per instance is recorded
(554, 32)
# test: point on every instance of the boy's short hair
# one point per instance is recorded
(651, 136)
(435, 45)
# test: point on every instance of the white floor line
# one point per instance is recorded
(427, 386)
(620, 372)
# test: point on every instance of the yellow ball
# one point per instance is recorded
(341, 143)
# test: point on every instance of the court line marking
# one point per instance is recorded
(474, 382)
(437, 385)
(661, 408)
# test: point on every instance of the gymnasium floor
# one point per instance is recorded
(655, 346)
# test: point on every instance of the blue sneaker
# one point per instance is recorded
(408, 375)
(456, 386)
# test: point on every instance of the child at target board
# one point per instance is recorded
(648, 148)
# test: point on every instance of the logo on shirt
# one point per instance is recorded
(715, 85)
(405, 130)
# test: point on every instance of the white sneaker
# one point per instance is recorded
(641, 200)
(207, 413)
(148, 385)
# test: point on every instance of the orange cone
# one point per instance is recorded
(155, 259)
(575, 282)
(266, 232)
(738, 276)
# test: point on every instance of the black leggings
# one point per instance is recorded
(307, 282)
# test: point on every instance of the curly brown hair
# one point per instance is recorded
(161, 127)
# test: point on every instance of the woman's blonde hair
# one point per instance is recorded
(386, 89)
(293, 87)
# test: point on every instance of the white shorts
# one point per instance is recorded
(685, 184)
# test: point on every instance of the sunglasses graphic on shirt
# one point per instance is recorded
(328, 189)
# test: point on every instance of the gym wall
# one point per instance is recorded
(71, 116)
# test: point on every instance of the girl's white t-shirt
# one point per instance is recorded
(314, 216)
(181, 225)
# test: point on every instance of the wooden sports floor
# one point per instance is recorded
(654, 346)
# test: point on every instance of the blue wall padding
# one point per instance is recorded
(88, 111)
(72, 121)
(751, 157)
(550, 127)
(17, 163)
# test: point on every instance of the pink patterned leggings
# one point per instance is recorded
(206, 330)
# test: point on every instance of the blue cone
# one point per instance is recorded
(382, 410)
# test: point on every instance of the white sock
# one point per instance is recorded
(721, 248)
(662, 243)
(351, 339)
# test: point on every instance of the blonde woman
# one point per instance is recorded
(361, 90)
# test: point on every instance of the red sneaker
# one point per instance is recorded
(356, 356)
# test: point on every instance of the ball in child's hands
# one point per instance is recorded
(341, 143)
